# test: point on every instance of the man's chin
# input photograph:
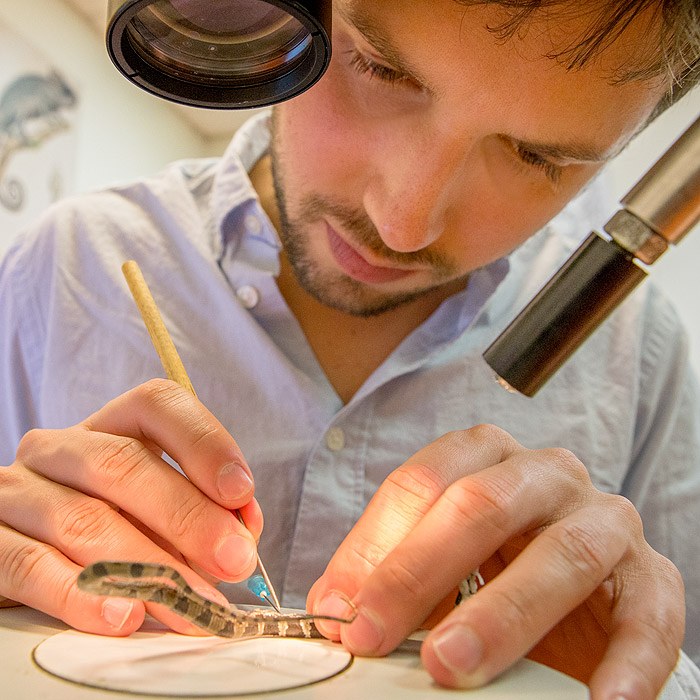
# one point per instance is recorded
(356, 298)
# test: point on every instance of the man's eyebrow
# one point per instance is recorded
(377, 38)
(568, 151)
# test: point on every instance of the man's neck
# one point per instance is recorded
(349, 348)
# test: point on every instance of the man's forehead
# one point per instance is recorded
(571, 32)
(512, 70)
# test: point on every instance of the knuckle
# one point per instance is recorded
(669, 576)
(418, 480)
(154, 389)
(158, 396)
(9, 478)
(33, 442)
(366, 554)
(187, 516)
(581, 548)
(19, 563)
(566, 462)
(404, 582)
(117, 460)
(488, 433)
(159, 393)
(516, 612)
(663, 633)
(627, 512)
(83, 524)
(490, 501)
(207, 434)
(481, 434)
(31, 568)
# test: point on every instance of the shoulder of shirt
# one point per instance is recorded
(88, 236)
(159, 216)
(179, 193)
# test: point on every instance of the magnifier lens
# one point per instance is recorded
(203, 40)
(221, 53)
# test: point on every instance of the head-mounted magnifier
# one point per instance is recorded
(223, 54)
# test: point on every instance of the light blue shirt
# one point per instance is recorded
(71, 339)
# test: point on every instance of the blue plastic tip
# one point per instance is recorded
(256, 584)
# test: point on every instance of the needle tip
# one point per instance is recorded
(271, 602)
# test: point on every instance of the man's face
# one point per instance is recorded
(430, 148)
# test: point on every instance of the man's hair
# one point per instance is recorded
(672, 52)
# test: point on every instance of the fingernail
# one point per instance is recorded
(365, 634)
(235, 555)
(116, 611)
(333, 604)
(233, 481)
(459, 650)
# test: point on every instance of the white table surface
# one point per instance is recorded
(398, 676)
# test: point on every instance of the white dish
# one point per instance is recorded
(162, 663)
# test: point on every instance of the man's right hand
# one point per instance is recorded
(101, 491)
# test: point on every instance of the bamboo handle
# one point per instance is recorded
(172, 364)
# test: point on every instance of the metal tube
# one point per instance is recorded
(660, 209)
(667, 198)
(595, 279)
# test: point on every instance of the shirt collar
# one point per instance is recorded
(232, 187)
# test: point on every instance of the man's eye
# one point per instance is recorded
(366, 66)
(551, 170)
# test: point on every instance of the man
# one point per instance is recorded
(400, 186)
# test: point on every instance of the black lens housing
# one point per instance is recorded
(575, 301)
(227, 92)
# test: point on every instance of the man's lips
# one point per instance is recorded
(355, 266)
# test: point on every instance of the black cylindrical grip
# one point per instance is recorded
(583, 292)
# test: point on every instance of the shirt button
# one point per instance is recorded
(335, 439)
(252, 223)
(248, 295)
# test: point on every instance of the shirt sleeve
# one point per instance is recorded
(684, 684)
(664, 479)
(21, 343)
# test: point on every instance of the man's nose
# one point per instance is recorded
(411, 191)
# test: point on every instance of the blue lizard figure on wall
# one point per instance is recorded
(31, 112)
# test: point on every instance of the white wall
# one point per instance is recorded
(122, 131)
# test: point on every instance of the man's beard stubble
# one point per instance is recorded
(333, 288)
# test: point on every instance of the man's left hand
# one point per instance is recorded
(570, 580)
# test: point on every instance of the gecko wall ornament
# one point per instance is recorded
(31, 112)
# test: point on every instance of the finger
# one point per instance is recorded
(121, 470)
(39, 576)
(555, 574)
(400, 503)
(481, 511)
(646, 633)
(469, 522)
(163, 413)
(83, 530)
